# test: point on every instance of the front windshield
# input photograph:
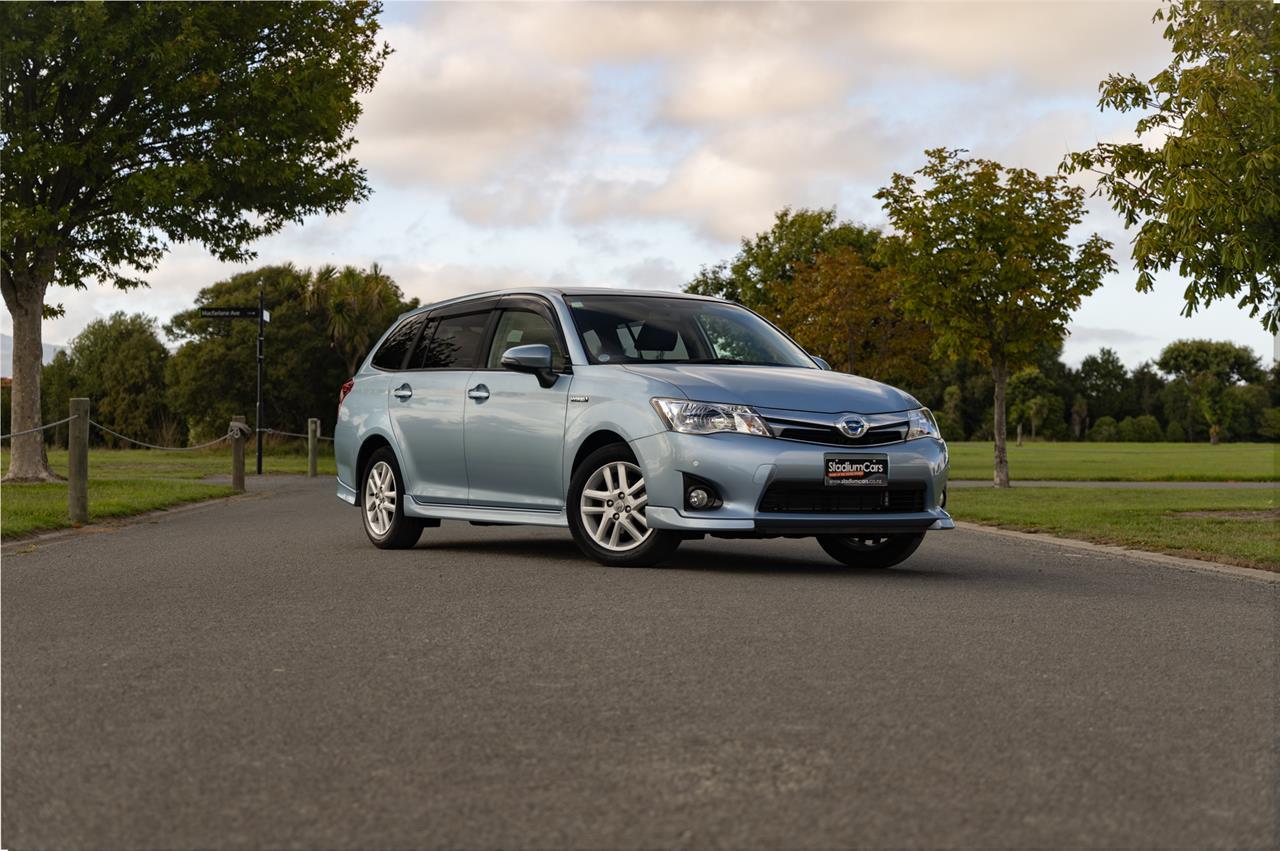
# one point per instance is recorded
(653, 329)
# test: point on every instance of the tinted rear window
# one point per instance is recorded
(392, 352)
(455, 343)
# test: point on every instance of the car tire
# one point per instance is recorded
(870, 552)
(600, 532)
(386, 526)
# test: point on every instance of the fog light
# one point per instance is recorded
(698, 498)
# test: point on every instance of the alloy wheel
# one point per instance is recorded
(613, 507)
(380, 498)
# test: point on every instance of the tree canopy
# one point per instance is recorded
(985, 261)
(1202, 183)
(128, 126)
(819, 278)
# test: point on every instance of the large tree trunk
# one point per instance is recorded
(27, 459)
(1000, 375)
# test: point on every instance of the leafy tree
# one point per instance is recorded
(1175, 433)
(767, 264)
(1145, 386)
(1079, 416)
(130, 125)
(1203, 370)
(213, 374)
(55, 396)
(1206, 195)
(1030, 392)
(985, 261)
(850, 314)
(1105, 383)
(1245, 405)
(119, 364)
(358, 306)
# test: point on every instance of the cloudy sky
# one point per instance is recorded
(631, 144)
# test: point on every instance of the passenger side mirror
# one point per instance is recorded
(534, 358)
(820, 362)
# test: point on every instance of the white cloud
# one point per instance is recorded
(448, 115)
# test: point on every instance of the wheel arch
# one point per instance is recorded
(597, 439)
(370, 445)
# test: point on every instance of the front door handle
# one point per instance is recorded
(479, 393)
(403, 392)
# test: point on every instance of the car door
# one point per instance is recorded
(426, 402)
(514, 425)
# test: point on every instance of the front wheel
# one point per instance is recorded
(874, 551)
(607, 511)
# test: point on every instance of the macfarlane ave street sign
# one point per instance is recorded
(228, 313)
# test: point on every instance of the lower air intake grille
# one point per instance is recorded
(808, 498)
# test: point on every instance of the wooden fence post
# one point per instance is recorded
(237, 454)
(313, 445)
(78, 462)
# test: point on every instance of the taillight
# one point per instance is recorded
(346, 388)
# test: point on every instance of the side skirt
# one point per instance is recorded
(485, 514)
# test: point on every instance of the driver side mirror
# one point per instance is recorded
(534, 358)
(820, 362)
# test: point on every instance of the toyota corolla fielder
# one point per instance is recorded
(638, 420)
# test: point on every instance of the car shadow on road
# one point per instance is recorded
(700, 556)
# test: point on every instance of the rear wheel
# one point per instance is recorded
(870, 551)
(607, 511)
(382, 504)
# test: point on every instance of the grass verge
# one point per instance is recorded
(124, 482)
(1230, 526)
(1134, 462)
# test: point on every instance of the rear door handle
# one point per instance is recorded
(404, 391)
(479, 393)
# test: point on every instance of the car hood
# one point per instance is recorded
(783, 388)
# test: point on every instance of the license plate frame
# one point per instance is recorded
(861, 470)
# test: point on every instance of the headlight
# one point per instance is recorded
(920, 423)
(689, 417)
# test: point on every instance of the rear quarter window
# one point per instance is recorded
(395, 348)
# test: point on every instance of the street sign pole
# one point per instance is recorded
(261, 356)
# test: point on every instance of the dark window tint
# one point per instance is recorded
(393, 350)
(523, 328)
(454, 344)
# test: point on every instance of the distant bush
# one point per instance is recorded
(1175, 433)
(1126, 431)
(1146, 429)
(1104, 430)
(1270, 428)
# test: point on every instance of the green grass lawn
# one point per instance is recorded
(1135, 462)
(132, 481)
(1232, 526)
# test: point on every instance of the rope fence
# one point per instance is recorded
(292, 434)
(231, 434)
(38, 428)
(238, 433)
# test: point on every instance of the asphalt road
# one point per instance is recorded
(253, 673)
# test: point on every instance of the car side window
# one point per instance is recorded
(523, 328)
(453, 344)
(391, 353)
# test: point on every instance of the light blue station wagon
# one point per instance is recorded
(638, 420)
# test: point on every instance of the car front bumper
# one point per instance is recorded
(742, 468)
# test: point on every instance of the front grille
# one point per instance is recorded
(810, 498)
(810, 433)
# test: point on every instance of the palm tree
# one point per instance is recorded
(357, 306)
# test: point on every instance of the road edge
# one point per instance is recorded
(1176, 562)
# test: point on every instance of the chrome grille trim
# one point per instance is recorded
(820, 429)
